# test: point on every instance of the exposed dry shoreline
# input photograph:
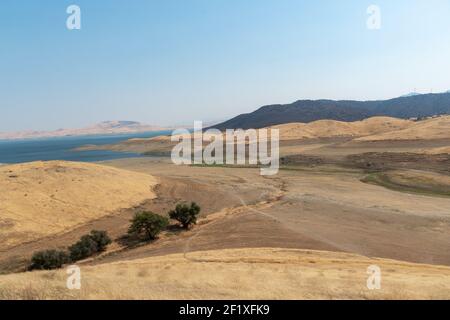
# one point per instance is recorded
(107, 127)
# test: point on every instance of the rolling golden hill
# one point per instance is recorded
(237, 274)
(39, 199)
(332, 128)
(436, 128)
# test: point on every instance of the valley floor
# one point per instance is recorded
(316, 230)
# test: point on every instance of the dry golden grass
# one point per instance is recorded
(442, 150)
(437, 128)
(237, 274)
(332, 128)
(417, 181)
(43, 198)
(290, 131)
(414, 177)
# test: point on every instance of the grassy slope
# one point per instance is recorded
(237, 274)
(403, 182)
(40, 199)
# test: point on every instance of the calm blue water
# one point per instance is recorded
(61, 148)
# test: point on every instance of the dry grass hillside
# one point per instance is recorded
(332, 128)
(335, 136)
(418, 181)
(237, 274)
(441, 150)
(43, 198)
(436, 128)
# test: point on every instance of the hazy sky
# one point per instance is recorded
(171, 62)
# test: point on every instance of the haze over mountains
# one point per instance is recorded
(106, 127)
(305, 111)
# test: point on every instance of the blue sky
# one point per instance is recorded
(175, 61)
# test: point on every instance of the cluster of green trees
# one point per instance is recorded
(144, 225)
(88, 245)
(48, 260)
(148, 225)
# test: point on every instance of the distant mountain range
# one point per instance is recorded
(106, 127)
(411, 94)
(410, 106)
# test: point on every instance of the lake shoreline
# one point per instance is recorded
(68, 148)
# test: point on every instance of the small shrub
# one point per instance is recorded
(48, 260)
(83, 249)
(186, 215)
(101, 238)
(148, 225)
(89, 245)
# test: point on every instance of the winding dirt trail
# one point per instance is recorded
(315, 210)
(297, 209)
(267, 204)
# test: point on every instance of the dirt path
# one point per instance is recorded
(330, 211)
(325, 211)
(174, 186)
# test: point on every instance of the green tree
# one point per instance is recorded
(48, 260)
(89, 244)
(185, 214)
(148, 225)
(83, 249)
(101, 238)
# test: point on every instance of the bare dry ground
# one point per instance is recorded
(326, 207)
(264, 273)
(320, 208)
(213, 192)
(358, 202)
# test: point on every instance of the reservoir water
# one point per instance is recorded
(62, 148)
